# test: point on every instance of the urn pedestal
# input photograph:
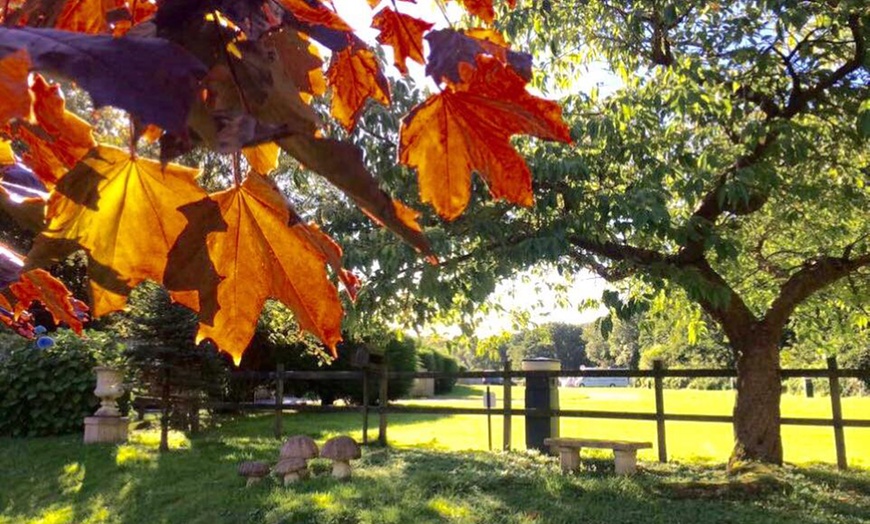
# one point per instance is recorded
(107, 424)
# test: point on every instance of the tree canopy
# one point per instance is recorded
(247, 79)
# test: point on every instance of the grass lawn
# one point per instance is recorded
(687, 441)
(60, 481)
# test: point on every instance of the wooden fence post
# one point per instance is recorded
(365, 406)
(837, 413)
(658, 369)
(279, 400)
(164, 415)
(507, 405)
(382, 404)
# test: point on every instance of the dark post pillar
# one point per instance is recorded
(542, 394)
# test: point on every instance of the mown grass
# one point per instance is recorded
(59, 481)
(422, 479)
(686, 441)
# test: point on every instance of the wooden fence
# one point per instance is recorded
(658, 373)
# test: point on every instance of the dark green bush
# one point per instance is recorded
(434, 361)
(50, 391)
(400, 354)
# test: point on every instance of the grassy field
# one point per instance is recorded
(687, 441)
(423, 478)
(60, 481)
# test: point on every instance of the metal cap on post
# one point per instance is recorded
(542, 393)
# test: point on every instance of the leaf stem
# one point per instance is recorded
(237, 169)
(133, 137)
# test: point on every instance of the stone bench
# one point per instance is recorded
(624, 452)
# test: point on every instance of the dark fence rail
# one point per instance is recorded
(658, 374)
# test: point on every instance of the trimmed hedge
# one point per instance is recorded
(436, 362)
(49, 391)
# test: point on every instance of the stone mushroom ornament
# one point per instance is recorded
(340, 450)
(291, 469)
(299, 447)
(253, 471)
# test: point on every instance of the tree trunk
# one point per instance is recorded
(756, 409)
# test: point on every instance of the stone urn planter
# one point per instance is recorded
(107, 424)
(109, 389)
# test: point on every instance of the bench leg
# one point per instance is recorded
(626, 462)
(569, 459)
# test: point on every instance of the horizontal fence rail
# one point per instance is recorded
(506, 376)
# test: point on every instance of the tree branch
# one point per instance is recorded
(815, 275)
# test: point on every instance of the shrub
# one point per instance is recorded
(436, 362)
(400, 354)
(50, 391)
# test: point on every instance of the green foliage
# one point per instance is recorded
(50, 391)
(162, 353)
(437, 362)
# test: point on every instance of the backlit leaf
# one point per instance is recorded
(58, 139)
(261, 255)
(15, 100)
(315, 13)
(263, 158)
(468, 128)
(103, 204)
(403, 33)
(83, 16)
(354, 75)
(38, 284)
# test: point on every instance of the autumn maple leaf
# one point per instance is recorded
(261, 254)
(315, 13)
(15, 97)
(403, 33)
(354, 75)
(38, 284)
(58, 139)
(468, 128)
(123, 210)
(483, 8)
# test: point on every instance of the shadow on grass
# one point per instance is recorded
(60, 480)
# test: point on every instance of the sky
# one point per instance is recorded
(526, 294)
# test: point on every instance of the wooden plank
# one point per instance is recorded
(507, 414)
(621, 445)
(837, 413)
(383, 406)
(365, 408)
(279, 399)
(658, 368)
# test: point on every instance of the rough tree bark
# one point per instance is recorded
(756, 407)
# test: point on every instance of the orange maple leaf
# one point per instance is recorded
(261, 255)
(483, 9)
(58, 139)
(315, 13)
(467, 128)
(15, 99)
(123, 211)
(403, 33)
(7, 156)
(262, 158)
(83, 16)
(355, 75)
(38, 284)
(333, 253)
